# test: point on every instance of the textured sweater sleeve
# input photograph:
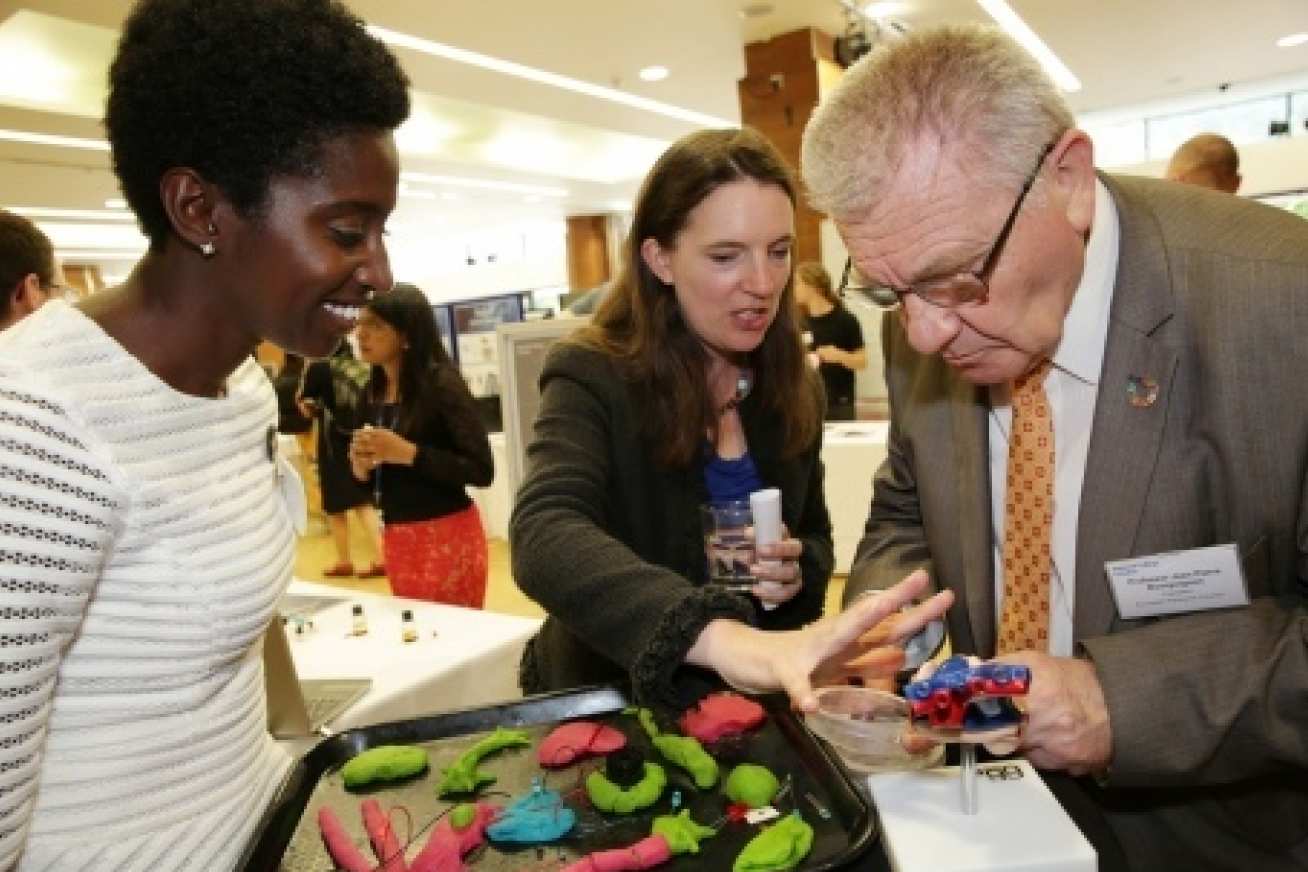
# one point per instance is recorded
(468, 459)
(57, 507)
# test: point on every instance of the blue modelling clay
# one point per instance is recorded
(535, 818)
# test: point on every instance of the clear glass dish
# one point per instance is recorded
(866, 728)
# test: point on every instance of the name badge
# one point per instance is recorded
(1179, 581)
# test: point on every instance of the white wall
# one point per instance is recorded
(870, 382)
(526, 255)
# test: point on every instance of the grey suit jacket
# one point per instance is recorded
(1209, 712)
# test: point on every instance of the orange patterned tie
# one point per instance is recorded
(1028, 517)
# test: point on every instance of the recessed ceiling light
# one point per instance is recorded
(1292, 40)
(543, 77)
(488, 184)
(51, 139)
(79, 255)
(1019, 30)
(884, 9)
(654, 73)
(411, 193)
(756, 10)
(115, 203)
(45, 212)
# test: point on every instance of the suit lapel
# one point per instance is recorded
(972, 462)
(1127, 436)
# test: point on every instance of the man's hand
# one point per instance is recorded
(1067, 719)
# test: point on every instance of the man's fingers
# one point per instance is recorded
(910, 622)
(877, 663)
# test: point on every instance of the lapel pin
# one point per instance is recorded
(1141, 390)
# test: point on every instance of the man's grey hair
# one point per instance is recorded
(966, 86)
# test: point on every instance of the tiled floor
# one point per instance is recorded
(502, 595)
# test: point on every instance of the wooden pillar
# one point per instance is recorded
(784, 78)
(85, 279)
(588, 252)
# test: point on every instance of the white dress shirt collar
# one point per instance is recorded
(1080, 353)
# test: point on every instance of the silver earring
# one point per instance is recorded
(208, 249)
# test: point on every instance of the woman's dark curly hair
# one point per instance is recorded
(241, 91)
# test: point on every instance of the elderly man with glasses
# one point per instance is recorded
(1086, 369)
(28, 273)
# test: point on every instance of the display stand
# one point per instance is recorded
(1018, 825)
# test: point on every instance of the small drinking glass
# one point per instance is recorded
(729, 544)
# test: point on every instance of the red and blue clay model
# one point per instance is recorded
(968, 698)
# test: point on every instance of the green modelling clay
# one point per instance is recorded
(681, 833)
(464, 777)
(607, 796)
(646, 718)
(752, 784)
(781, 846)
(690, 755)
(684, 751)
(463, 814)
(384, 763)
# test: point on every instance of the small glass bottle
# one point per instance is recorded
(358, 624)
(407, 628)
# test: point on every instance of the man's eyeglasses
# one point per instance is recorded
(955, 290)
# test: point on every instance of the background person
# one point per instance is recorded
(147, 540)
(425, 445)
(28, 273)
(1208, 160)
(833, 336)
(1100, 309)
(333, 395)
(690, 383)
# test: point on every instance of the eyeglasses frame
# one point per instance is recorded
(887, 297)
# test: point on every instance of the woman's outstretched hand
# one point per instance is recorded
(864, 641)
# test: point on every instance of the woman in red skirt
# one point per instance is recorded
(425, 445)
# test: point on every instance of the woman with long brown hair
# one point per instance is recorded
(689, 386)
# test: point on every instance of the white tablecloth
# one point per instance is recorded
(463, 657)
(851, 453)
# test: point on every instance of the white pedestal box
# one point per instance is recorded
(1019, 825)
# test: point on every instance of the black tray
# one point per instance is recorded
(288, 841)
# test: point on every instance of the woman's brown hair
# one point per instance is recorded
(815, 275)
(640, 323)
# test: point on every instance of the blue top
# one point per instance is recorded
(729, 480)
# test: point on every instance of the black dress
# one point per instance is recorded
(341, 491)
(840, 328)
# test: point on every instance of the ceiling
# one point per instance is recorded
(485, 147)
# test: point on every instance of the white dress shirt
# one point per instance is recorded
(1072, 385)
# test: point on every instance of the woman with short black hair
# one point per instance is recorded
(149, 518)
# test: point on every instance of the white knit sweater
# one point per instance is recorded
(143, 546)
